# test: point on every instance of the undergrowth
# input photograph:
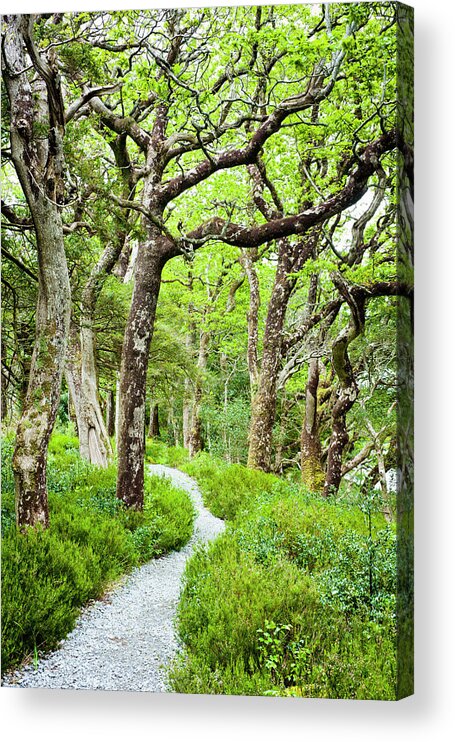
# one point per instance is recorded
(157, 452)
(227, 489)
(91, 541)
(297, 597)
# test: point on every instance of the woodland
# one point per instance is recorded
(207, 263)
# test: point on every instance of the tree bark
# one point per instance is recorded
(311, 468)
(247, 259)
(195, 441)
(264, 403)
(347, 391)
(290, 258)
(81, 376)
(110, 413)
(151, 258)
(154, 422)
(37, 128)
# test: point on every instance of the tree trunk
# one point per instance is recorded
(43, 392)
(347, 390)
(150, 261)
(154, 422)
(291, 258)
(94, 443)
(110, 413)
(247, 259)
(38, 160)
(195, 442)
(338, 441)
(311, 468)
(263, 404)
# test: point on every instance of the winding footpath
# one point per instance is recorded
(126, 640)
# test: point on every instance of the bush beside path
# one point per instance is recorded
(126, 640)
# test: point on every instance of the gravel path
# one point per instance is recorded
(126, 640)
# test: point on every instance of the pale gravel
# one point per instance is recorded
(126, 640)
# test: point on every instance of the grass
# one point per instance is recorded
(92, 540)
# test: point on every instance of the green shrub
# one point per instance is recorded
(227, 597)
(157, 452)
(92, 540)
(63, 443)
(296, 598)
(44, 580)
(228, 489)
(190, 674)
(166, 522)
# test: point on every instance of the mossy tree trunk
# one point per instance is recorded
(110, 413)
(263, 405)
(153, 253)
(310, 460)
(81, 375)
(291, 258)
(347, 391)
(195, 441)
(37, 128)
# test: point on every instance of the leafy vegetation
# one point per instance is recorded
(227, 488)
(47, 575)
(296, 598)
(157, 452)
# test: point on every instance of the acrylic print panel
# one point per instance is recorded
(207, 350)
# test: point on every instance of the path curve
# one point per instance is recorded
(126, 640)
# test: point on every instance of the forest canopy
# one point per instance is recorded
(244, 164)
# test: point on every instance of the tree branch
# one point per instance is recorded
(6, 254)
(233, 234)
(315, 92)
(87, 96)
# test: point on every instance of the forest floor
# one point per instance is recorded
(126, 640)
